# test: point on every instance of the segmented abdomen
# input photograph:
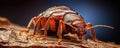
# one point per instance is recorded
(67, 12)
(56, 11)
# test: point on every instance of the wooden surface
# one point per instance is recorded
(10, 38)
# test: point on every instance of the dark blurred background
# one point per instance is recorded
(96, 12)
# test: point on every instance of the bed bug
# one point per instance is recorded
(62, 19)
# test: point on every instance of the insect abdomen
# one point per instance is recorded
(57, 11)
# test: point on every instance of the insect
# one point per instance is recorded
(62, 19)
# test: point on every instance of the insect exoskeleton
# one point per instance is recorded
(62, 19)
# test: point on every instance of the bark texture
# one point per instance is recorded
(10, 38)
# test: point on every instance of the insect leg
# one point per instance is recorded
(46, 27)
(60, 30)
(92, 32)
(37, 24)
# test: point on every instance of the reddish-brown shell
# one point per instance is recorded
(65, 11)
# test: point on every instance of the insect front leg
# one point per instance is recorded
(62, 28)
(92, 32)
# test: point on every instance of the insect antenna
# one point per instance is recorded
(101, 26)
